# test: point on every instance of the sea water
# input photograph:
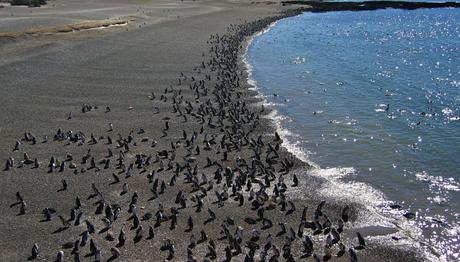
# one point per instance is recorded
(377, 94)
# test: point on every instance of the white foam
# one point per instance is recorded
(447, 111)
(448, 184)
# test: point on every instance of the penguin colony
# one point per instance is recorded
(229, 182)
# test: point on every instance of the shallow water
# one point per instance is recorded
(379, 92)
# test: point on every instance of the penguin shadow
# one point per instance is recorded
(290, 211)
(222, 238)
(305, 256)
(130, 218)
(15, 204)
(146, 217)
(265, 227)
(112, 258)
(105, 229)
(90, 254)
(150, 237)
(209, 220)
(137, 239)
(217, 202)
(91, 196)
(152, 198)
(250, 221)
(280, 233)
(68, 245)
(59, 230)
(21, 212)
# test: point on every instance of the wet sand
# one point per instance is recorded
(46, 77)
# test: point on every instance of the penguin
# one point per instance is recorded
(60, 256)
(93, 247)
(84, 238)
(17, 146)
(282, 229)
(121, 239)
(291, 209)
(64, 222)
(212, 215)
(76, 247)
(138, 236)
(64, 185)
(35, 252)
(97, 255)
(115, 179)
(266, 223)
(342, 250)
(151, 234)
(353, 256)
(308, 248)
(192, 242)
(295, 181)
(189, 224)
(90, 227)
(211, 254)
(345, 213)
(110, 237)
(361, 241)
(203, 236)
(124, 189)
(115, 253)
(22, 208)
(47, 212)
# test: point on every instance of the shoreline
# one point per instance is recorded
(390, 227)
(145, 90)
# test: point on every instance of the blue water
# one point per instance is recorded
(378, 91)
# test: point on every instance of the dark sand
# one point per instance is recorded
(43, 78)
